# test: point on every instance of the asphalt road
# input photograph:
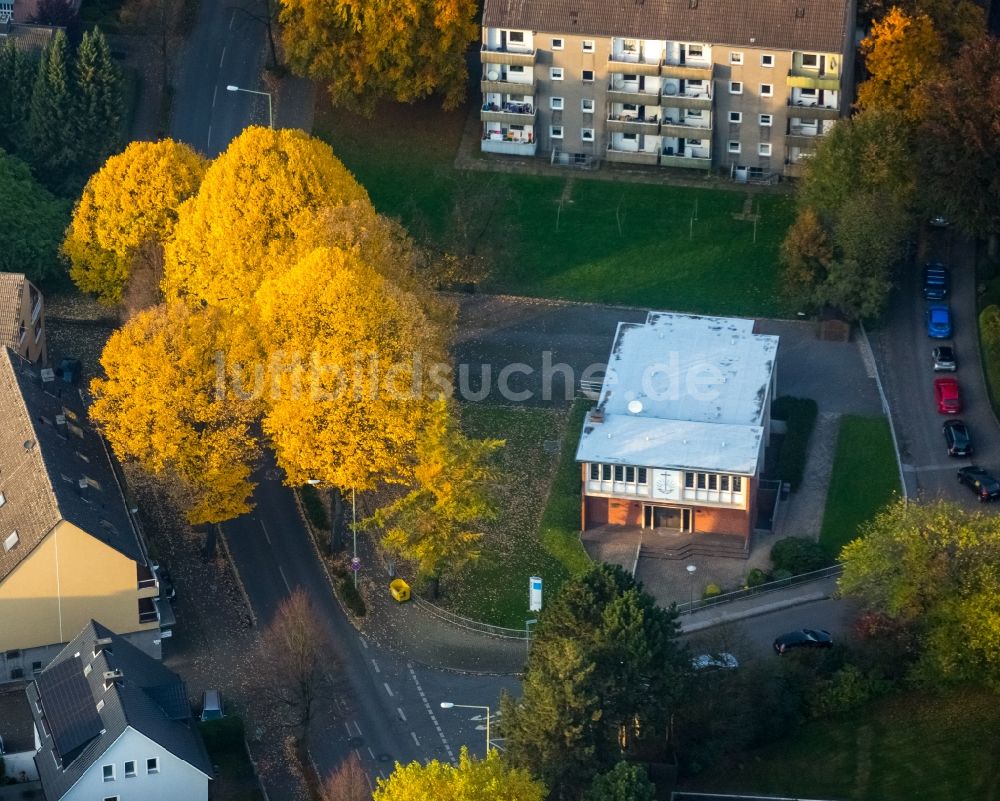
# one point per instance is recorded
(904, 356)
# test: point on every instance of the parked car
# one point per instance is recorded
(980, 482)
(946, 393)
(211, 705)
(803, 638)
(957, 438)
(944, 359)
(721, 660)
(938, 321)
(937, 282)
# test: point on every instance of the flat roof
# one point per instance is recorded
(17, 729)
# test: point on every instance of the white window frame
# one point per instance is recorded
(511, 34)
(556, 73)
(557, 103)
(587, 105)
(767, 90)
(584, 78)
(736, 117)
(555, 132)
(769, 120)
(736, 57)
(156, 765)
(814, 66)
(587, 134)
(696, 50)
(764, 149)
(736, 87)
(104, 772)
(588, 45)
(767, 59)
(734, 147)
(557, 43)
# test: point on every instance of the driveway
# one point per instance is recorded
(903, 352)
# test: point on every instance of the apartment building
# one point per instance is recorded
(22, 317)
(745, 87)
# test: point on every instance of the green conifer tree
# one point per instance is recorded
(17, 78)
(98, 103)
(51, 130)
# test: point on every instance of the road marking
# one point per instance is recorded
(232, 19)
(287, 585)
(413, 734)
(222, 57)
(388, 689)
(348, 727)
(363, 643)
(208, 145)
(434, 720)
(375, 665)
(266, 535)
(215, 94)
(372, 753)
(402, 714)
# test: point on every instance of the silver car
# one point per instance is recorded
(944, 359)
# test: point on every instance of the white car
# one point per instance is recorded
(722, 660)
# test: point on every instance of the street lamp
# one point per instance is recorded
(450, 705)
(270, 115)
(354, 528)
(691, 571)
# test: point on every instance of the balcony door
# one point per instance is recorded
(672, 518)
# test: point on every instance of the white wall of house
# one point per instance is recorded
(668, 485)
(20, 763)
(174, 779)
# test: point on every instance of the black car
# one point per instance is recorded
(957, 438)
(980, 482)
(803, 638)
(937, 282)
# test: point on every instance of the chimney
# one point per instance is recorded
(102, 644)
(113, 677)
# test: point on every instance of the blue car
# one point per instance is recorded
(938, 321)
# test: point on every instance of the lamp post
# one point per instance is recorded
(450, 705)
(270, 115)
(691, 569)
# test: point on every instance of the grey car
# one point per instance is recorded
(944, 359)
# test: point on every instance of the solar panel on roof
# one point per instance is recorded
(69, 707)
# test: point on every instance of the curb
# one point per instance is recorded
(756, 611)
(236, 573)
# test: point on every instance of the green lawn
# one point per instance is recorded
(865, 478)
(494, 589)
(911, 747)
(234, 779)
(571, 237)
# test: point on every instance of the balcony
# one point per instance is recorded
(689, 72)
(813, 112)
(509, 147)
(805, 79)
(687, 162)
(624, 123)
(633, 96)
(144, 577)
(686, 130)
(632, 156)
(505, 87)
(517, 58)
(797, 138)
(148, 612)
(516, 113)
(686, 101)
(626, 64)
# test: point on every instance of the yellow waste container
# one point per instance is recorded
(400, 590)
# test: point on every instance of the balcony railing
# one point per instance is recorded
(625, 64)
(623, 123)
(687, 162)
(503, 86)
(520, 58)
(804, 79)
(509, 147)
(37, 310)
(639, 98)
(632, 156)
(686, 101)
(802, 140)
(516, 113)
(687, 129)
(147, 611)
(811, 112)
(689, 71)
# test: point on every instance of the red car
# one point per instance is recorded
(946, 395)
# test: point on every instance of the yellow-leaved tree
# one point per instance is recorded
(243, 225)
(902, 56)
(129, 203)
(159, 404)
(489, 779)
(366, 52)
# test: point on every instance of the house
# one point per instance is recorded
(71, 549)
(22, 317)
(25, 10)
(28, 38)
(113, 723)
(677, 439)
(745, 87)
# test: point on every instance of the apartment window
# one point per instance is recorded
(735, 57)
(766, 60)
(153, 765)
(556, 103)
(605, 472)
(689, 480)
(588, 76)
(556, 131)
(767, 90)
(619, 473)
(36, 667)
(766, 120)
(109, 773)
(713, 481)
(557, 44)
(695, 51)
(130, 769)
(737, 484)
(516, 68)
(11, 541)
(587, 105)
(630, 137)
(640, 477)
(694, 142)
(810, 60)
(701, 481)
(630, 475)
(587, 134)
(516, 37)
(733, 146)
(809, 94)
(736, 87)
(556, 73)
(595, 471)
(736, 116)
(764, 149)
(630, 46)
(111, 798)
(724, 483)
(588, 45)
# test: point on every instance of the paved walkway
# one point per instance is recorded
(803, 512)
(759, 605)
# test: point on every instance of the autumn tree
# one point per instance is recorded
(934, 569)
(98, 101)
(958, 21)
(624, 782)
(489, 779)
(18, 71)
(902, 55)
(366, 52)
(959, 143)
(604, 672)
(436, 524)
(127, 212)
(349, 782)
(31, 223)
(160, 405)
(292, 661)
(50, 129)
(243, 224)
(806, 255)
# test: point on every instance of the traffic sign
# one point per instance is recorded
(355, 564)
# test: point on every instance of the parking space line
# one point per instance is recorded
(375, 665)
(388, 689)
(413, 734)
(284, 579)
(402, 714)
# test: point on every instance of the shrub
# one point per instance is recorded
(798, 555)
(351, 597)
(756, 577)
(799, 415)
(781, 575)
(711, 591)
(989, 336)
(315, 507)
(222, 735)
(847, 689)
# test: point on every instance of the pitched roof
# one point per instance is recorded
(28, 38)
(820, 25)
(53, 467)
(148, 698)
(12, 289)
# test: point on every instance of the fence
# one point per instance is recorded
(762, 589)
(468, 623)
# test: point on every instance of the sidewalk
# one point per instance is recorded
(759, 605)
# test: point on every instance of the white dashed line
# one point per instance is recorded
(371, 752)
(402, 714)
(388, 689)
(363, 643)
(263, 527)
(348, 727)
(287, 585)
(215, 94)
(413, 734)
(232, 19)
(375, 665)
(222, 57)
(357, 728)
(434, 720)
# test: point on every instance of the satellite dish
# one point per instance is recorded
(492, 75)
(635, 406)
(619, 83)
